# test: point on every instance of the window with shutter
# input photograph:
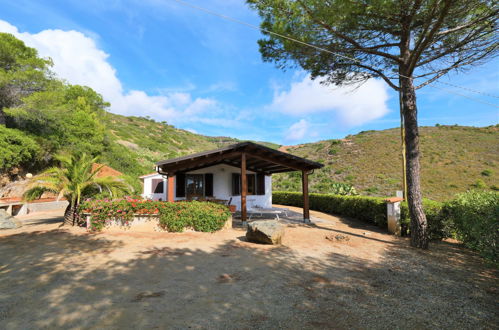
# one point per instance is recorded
(251, 184)
(180, 184)
(260, 184)
(208, 185)
(236, 184)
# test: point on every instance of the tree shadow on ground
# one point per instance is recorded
(56, 279)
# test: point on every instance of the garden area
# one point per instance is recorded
(471, 217)
(172, 217)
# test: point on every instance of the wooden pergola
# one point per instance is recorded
(246, 156)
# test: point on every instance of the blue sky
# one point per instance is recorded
(202, 73)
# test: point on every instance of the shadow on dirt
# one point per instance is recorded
(56, 279)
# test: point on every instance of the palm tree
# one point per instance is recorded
(74, 180)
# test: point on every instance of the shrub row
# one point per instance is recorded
(472, 217)
(369, 209)
(475, 215)
(174, 217)
(439, 224)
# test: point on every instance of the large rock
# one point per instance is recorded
(266, 232)
(7, 221)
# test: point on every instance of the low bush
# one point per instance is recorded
(476, 218)
(369, 209)
(175, 217)
(200, 216)
(440, 225)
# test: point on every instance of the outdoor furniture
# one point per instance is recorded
(262, 212)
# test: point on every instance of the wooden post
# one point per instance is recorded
(244, 188)
(171, 187)
(306, 205)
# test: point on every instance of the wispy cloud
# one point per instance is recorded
(299, 131)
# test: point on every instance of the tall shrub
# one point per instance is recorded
(476, 217)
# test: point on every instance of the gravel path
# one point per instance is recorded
(339, 273)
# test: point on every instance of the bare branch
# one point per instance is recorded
(380, 74)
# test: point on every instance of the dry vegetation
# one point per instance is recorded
(454, 159)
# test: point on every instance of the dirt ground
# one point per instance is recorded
(339, 273)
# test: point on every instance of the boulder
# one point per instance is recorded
(7, 221)
(266, 232)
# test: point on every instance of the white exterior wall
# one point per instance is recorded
(222, 187)
(147, 192)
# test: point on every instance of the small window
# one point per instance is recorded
(157, 186)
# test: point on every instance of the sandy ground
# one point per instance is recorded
(339, 273)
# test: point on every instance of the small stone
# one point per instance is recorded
(7, 221)
(266, 232)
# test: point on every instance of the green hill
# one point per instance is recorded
(137, 143)
(454, 159)
(41, 116)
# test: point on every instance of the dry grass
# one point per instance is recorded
(454, 159)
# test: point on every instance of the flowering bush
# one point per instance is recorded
(201, 216)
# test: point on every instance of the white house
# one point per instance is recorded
(221, 182)
(154, 186)
(239, 175)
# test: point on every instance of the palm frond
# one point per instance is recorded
(36, 192)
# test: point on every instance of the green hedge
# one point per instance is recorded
(174, 217)
(369, 209)
(472, 217)
(440, 225)
(475, 215)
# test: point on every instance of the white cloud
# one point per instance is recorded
(78, 59)
(352, 106)
(298, 131)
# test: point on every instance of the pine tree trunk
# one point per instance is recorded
(70, 215)
(419, 225)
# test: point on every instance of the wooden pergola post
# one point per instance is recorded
(171, 187)
(244, 188)
(306, 205)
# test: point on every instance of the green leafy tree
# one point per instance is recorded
(75, 180)
(408, 44)
(22, 72)
(15, 148)
(64, 117)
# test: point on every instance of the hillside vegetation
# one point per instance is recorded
(454, 159)
(41, 116)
